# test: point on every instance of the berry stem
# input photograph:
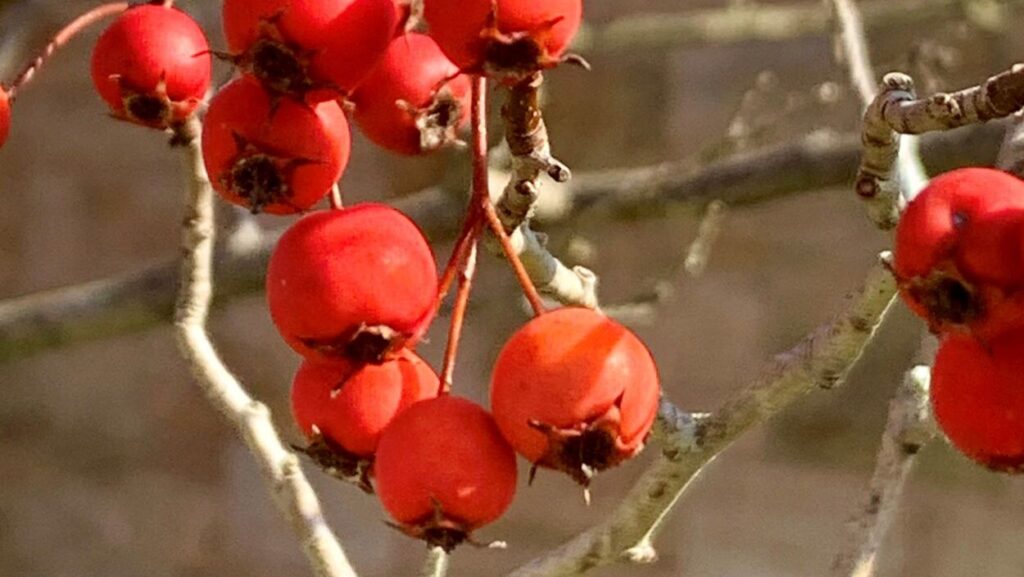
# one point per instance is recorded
(482, 197)
(60, 39)
(467, 272)
(337, 203)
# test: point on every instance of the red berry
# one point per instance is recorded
(343, 407)
(414, 100)
(504, 38)
(959, 257)
(977, 394)
(575, 391)
(444, 470)
(298, 46)
(358, 283)
(273, 154)
(152, 66)
(5, 116)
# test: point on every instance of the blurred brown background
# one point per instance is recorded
(112, 464)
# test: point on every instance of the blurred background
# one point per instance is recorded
(112, 464)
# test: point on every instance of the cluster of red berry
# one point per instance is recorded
(353, 289)
(960, 266)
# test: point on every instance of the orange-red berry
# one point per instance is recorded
(575, 391)
(977, 394)
(358, 283)
(959, 254)
(273, 154)
(443, 470)
(152, 65)
(415, 100)
(507, 39)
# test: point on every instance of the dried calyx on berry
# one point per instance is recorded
(273, 154)
(358, 283)
(959, 257)
(443, 470)
(574, 391)
(315, 50)
(414, 100)
(506, 39)
(977, 395)
(152, 66)
(342, 407)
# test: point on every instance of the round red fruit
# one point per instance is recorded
(443, 470)
(959, 258)
(315, 49)
(342, 407)
(273, 154)
(415, 100)
(977, 394)
(358, 283)
(504, 38)
(152, 66)
(575, 391)
(5, 116)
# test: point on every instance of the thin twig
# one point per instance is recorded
(689, 442)
(908, 429)
(280, 467)
(700, 249)
(144, 298)
(883, 202)
(436, 564)
(62, 37)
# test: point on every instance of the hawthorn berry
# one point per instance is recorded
(317, 49)
(5, 116)
(443, 470)
(342, 407)
(977, 395)
(503, 38)
(959, 259)
(415, 100)
(152, 65)
(358, 283)
(575, 391)
(273, 154)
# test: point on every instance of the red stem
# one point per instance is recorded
(63, 37)
(530, 291)
(451, 351)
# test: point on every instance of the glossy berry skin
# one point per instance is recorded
(270, 154)
(152, 66)
(444, 470)
(349, 404)
(977, 394)
(314, 49)
(959, 257)
(5, 116)
(504, 38)
(575, 391)
(357, 283)
(414, 100)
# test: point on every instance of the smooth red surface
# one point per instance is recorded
(977, 394)
(457, 25)
(317, 136)
(148, 45)
(343, 39)
(413, 70)
(567, 368)
(5, 116)
(449, 450)
(335, 270)
(351, 404)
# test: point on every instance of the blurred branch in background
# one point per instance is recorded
(144, 298)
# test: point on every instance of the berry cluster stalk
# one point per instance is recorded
(60, 39)
(280, 467)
